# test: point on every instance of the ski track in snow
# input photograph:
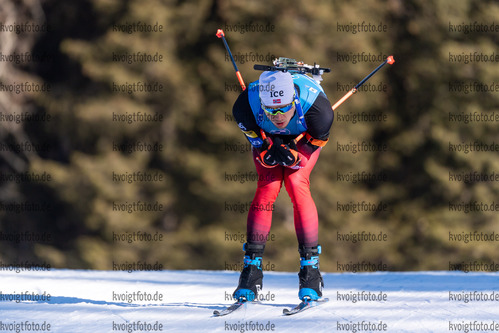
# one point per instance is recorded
(87, 301)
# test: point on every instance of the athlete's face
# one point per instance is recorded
(281, 120)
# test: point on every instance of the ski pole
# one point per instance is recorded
(388, 60)
(220, 34)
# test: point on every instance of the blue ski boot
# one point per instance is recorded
(311, 282)
(250, 281)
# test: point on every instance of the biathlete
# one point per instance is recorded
(272, 113)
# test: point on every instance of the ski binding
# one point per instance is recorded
(238, 304)
(304, 305)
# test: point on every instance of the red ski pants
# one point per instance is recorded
(297, 184)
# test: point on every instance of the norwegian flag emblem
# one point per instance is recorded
(276, 101)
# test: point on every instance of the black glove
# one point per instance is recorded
(267, 155)
(287, 154)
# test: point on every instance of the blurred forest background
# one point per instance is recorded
(62, 190)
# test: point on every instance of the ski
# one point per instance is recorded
(304, 305)
(230, 309)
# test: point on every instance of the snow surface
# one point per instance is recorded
(93, 301)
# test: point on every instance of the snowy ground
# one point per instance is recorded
(183, 301)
